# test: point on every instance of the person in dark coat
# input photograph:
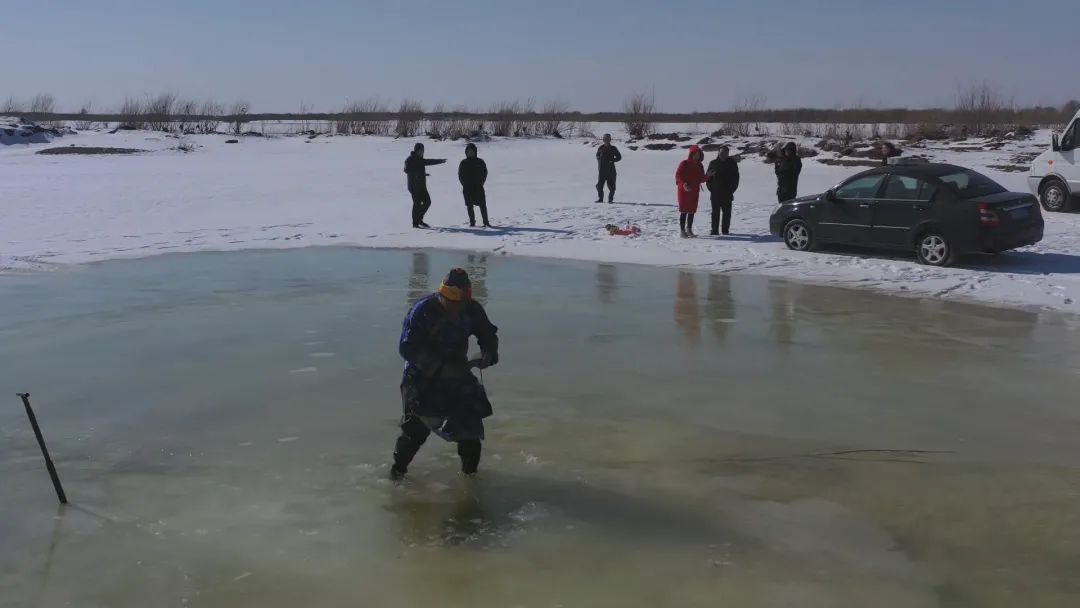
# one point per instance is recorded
(723, 181)
(888, 150)
(439, 393)
(606, 157)
(416, 170)
(472, 173)
(788, 167)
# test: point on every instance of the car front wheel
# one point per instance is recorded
(797, 236)
(934, 250)
(1054, 196)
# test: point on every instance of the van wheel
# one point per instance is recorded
(797, 236)
(1054, 196)
(933, 249)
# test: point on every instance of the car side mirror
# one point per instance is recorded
(1054, 143)
(830, 195)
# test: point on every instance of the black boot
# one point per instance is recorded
(469, 451)
(413, 435)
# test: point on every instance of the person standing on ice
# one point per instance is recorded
(416, 170)
(438, 391)
(688, 179)
(723, 181)
(606, 157)
(472, 173)
(788, 167)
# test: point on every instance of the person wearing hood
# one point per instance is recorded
(416, 171)
(888, 150)
(688, 179)
(606, 157)
(788, 167)
(439, 392)
(472, 173)
(723, 181)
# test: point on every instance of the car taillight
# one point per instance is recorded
(987, 217)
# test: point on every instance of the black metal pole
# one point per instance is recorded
(44, 450)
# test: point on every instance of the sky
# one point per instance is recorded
(285, 55)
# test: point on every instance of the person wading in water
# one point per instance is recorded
(438, 391)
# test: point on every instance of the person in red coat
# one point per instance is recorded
(688, 179)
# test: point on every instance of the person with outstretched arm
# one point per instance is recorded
(473, 173)
(723, 181)
(606, 157)
(439, 392)
(416, 170)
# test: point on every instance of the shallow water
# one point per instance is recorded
(222, 424)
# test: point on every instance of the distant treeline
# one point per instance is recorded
(980, 109)
(1025, 116)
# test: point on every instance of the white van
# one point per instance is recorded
(1055, 174)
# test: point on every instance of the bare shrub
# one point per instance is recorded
(44, 103)
(460, 126)
(438, 127)
(638, 110)
(749, 114)
(525, 125)
(209, 114)
(584, 130)
(410, 118)
(503, 123)
(186, 110)
(158, 111)
(353, 121)
(736, 129)
(552, 124)
(131, 114)
(83, 124)
(793, 129)
(347, 124)
(982, 106)
(238, 115)
(12, 106)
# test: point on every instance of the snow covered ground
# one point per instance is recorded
(295, 192)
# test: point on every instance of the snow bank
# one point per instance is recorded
(19, 131)
(295, 192)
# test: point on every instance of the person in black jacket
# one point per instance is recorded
(606, 157)
(723, 181)
(888, 150)
(416, 170)
(472, 173)
(788, 167)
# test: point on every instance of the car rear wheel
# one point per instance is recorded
(934, 250)
(1054, 196)
(797, 236)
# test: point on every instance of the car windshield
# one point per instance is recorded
(969, 184)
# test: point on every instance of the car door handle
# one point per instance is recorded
(864, 205)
